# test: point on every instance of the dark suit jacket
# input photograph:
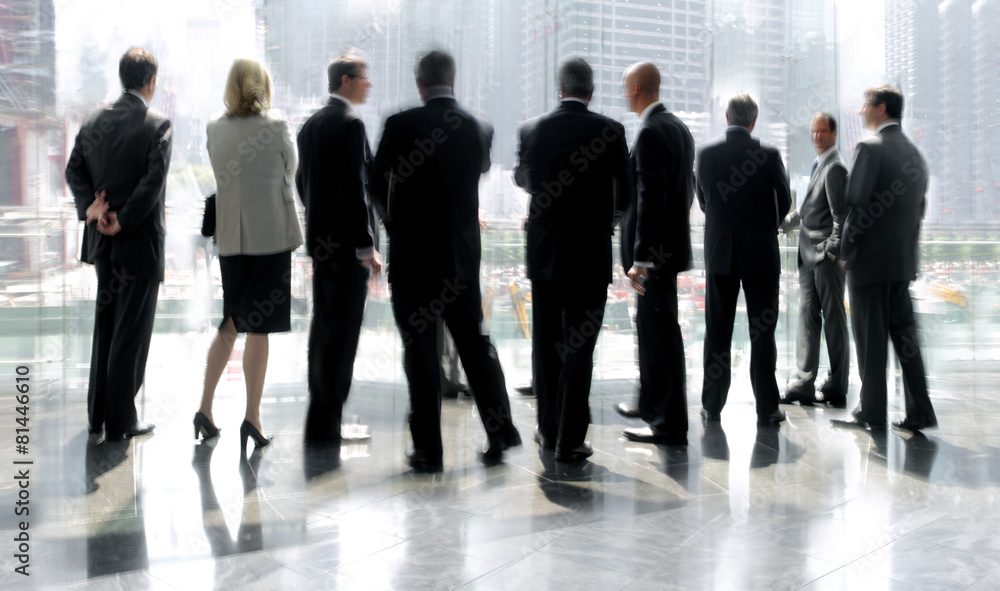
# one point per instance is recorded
(124, 149)
(886, 198)
(822, 215)
(743, 190)
(333, 165)
(656, 228)
(425, 183)
(574, 163)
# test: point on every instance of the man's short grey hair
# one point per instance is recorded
(437, 68)
(742, 110)
(576, 78)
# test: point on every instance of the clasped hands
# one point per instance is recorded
(638, 275)
(99, 211)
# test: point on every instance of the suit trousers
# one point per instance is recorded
(821, 306)
(881, 311)
(123, 327)
(339, 291)
(662, 368)
(567, 317)
(761, 295)
(417, 303)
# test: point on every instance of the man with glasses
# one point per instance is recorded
(886, 196)
(342, 239)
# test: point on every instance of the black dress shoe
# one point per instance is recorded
(493, 454)
(771, 419)
(711, 416)
(792, 396)
(134, 431)
(542, 441)
(627, 410)
(646, 435)
(857, 423)
(422, 464)
(577, 454)
(909, 424)
(525, 389)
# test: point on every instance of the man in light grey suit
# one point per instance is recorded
(886, 196)
(821, 282)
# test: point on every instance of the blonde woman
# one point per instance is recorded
(257, 228)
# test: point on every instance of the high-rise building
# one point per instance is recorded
(956, 95)
(986, 109)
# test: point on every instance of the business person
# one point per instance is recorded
(117, 172)
(574, 164)
(886, 196)
(655, 247)
(341, 238)
(743, 190)
(257, 228)
(820, 218)
(425, 182)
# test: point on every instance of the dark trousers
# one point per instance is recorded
(761, 295)
(339, 291)
(567, 318)
(417, 303)
(123, 327)
(662, 370)
(879, 312)
(821, 307)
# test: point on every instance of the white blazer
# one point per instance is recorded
(254, 163)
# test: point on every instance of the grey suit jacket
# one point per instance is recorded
(254, 163)
(886, 195)
(822, 214)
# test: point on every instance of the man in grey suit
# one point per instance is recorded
(821, 281)
(886, 201)
(743, 190)
(118, 175)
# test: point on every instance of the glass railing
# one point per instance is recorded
(47, 305)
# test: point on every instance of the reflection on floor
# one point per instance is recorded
(800, 507)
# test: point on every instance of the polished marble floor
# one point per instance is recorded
(802, 506)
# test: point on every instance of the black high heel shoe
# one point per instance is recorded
(248, 430)
(204, 426)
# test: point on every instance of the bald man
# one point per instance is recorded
(656, 246)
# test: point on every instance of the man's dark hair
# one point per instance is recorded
(349, 65)
(437, 68)
(136, 68)
(576, 78)
(829, 118)
(890, 96)
(742, 110)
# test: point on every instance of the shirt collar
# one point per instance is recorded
(645, 112)
(135, 93)
(738, 128)
(343, 100)
(884, 125)
(439, 91)
(574, 99)
(826, 156)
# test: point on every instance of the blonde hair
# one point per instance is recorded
(248, 89)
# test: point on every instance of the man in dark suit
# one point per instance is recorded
(655, 247)
(821, 281)
(118, 173)
(886, 196)
(571, 161)
(743, 190)
(341, 238)
(425, 182)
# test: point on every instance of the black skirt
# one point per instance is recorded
(257, 292)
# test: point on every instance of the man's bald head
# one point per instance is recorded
(646, 75)
(641, 84)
